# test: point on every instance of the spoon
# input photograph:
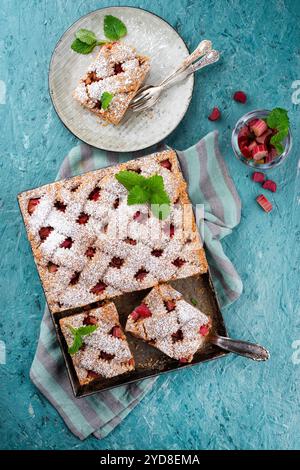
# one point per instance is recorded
(242, 348)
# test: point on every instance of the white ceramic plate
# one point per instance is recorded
(151, 36)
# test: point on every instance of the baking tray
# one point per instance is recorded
(149, 361)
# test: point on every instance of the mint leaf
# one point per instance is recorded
(78, 333)
(155, 183)
(129, 179)
(77, 343)
(82, 47)
(278, 119)
(106, 99)
(159, 197)
(86, 36)
(86, 330)
(137, 195)
(194, 301)
(114, 28)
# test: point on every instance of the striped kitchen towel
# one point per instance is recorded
(209, 184)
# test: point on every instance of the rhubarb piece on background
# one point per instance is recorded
(259, 152)
(169, 323)
(105, 352)
(270, 185)
(83, 239)
(215, 114)
(117, 70)
(258, 127)
(258, 177)
(240, 96)
(264, 203)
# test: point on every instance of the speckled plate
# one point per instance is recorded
(151, 36)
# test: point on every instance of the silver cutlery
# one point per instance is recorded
(148, 96)
(242, 348)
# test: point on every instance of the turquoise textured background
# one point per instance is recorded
(233, 402)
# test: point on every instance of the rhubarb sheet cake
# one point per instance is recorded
(90, 245)
(117, 70)
(97, 344)
(165, 320)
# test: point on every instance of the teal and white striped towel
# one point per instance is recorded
(209, 184)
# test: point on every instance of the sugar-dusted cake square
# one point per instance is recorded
(97, 344)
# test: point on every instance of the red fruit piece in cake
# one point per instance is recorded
(67, 243)
(265, 137)
(141, 274)
(259, 152)
(258, 177)
(183, 360)
(170, 305)
(135, 315)
(44, 232)
(52, 268)
(240, 96)
(270, 185)
(98, 288)
(166, 164)
(264, 203)
(204, 330)
(83, 218)
(259, 127)
(32, 204)
(117, 332)
(95, 194)
(143, 311)
(215, 114)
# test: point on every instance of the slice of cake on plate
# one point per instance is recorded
(117, 72)
(97, 344)
(165, 320)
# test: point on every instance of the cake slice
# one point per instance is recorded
(117, 70)
(104, 351)
(165, 320)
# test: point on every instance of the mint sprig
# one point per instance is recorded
(85, 40)
(78, 333)
(114, 29)
(105, 99)
(278, 119)
(142, 190)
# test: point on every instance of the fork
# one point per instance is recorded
(203, 48)
(147, 98)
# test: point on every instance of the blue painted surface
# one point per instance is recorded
(227, 404)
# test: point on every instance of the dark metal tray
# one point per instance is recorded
(151, 362)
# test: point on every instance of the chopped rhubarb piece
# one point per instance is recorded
(270, 185)
(67, 243)
(215, 114)
(118, 69)
(98, 288)
(116, 203)
(83, 218)
(244, 135)
(32, 203)
(178, 336)
(60, 206)
(135, 315)
(90, 320)
(252, 123)
(265, 137)
(95, 194)
(90, 252)
(166, 164)
(156, 253)
(183, 360)
(178, 262)
(259, 152)
(116, 332)
(264, 203)
(52, 268)
(75, 278)
(44, 232)
(245, 151)
(252, 146)
(143, 311)
(116, 262)
(170, 305)
(258, 177)
(204, 330)
(240, 97)
(106, 356)
(259, 127)
(130, 241)
(141, 274)
(271, 154)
